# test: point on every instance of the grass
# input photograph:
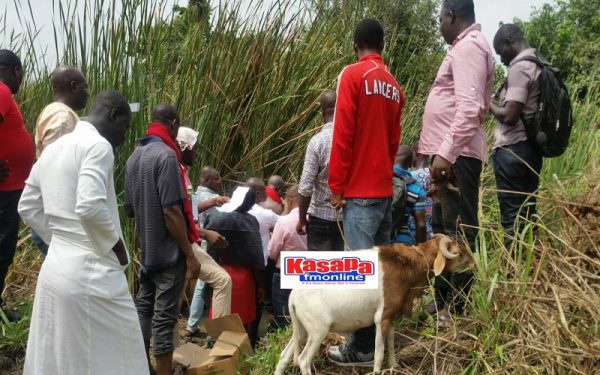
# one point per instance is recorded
(250, 86)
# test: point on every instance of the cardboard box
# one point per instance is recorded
(226, 357)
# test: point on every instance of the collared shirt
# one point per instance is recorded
(153, 181)
(521, 87)
(16, 145)
(83, 205)
(266, 221)
(56, 120)
(366, 130)
(205, 194)
(459, 100)
(315, 174)
(285, 237)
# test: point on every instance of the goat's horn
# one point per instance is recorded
(445, 242)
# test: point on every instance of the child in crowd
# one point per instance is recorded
(408, 201)
(423, 178)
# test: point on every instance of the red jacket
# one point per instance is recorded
(366, 130)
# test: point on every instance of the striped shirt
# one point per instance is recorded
(152, 182)
(315, 174)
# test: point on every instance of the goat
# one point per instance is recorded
(403, 270)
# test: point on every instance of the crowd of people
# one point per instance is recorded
(359, 188)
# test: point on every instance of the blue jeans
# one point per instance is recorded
(280, 298)
(196, 307)
(367, 222)
(37, 240)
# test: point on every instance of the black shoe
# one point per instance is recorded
(11, 315)
(344, 355)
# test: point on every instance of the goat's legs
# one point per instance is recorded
(310, 350)
(387, 331)
(285, 357)
(379, 346)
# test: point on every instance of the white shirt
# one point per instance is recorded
(266, 221)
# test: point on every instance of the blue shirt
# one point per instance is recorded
(423, 178)
(415, 199)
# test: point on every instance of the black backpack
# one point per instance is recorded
(550, 128)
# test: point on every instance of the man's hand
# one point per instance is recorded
(260, 294)
(337, 201)
(441, 169)
(220, 200)
(215, 239)
(121, 253)
(192, 267)
(4, 170)
(301, 227)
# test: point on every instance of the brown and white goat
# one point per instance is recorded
(403, 270)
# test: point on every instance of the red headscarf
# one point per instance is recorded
(271, 193)
(158, 130)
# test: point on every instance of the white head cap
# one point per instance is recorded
(186, 137)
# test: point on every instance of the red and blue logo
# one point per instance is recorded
(345, 269)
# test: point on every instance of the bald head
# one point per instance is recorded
(327, 103)
(257, 184)
(404, 157)
(277, 183)
(509, 42)
(111, 115)
(292, 197)
(11, 70)
(167, 115)
(69, 87)
(210, 178)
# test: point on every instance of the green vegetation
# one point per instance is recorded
(249, 86)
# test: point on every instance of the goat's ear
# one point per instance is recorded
(439, 264)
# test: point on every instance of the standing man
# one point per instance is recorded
(83, 320)
(16, 158)
(58, 118)
(454, 137)
(70, 90)
(366, 134)
(517, 164)
(154, 195)
(321, 229)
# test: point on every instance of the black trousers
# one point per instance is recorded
(324, 235)
(517, 168)
(456, 215)
(9, 231)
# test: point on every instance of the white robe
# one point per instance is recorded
(84, 320)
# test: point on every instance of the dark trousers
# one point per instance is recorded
(9, 231)
(157, 305)
(454, 215)
(280, 300)
(517, 168)
(324, 235)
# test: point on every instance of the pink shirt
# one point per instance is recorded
(285, 237)
(459, 99)
(521, 87)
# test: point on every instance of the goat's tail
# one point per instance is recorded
(293, 346)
